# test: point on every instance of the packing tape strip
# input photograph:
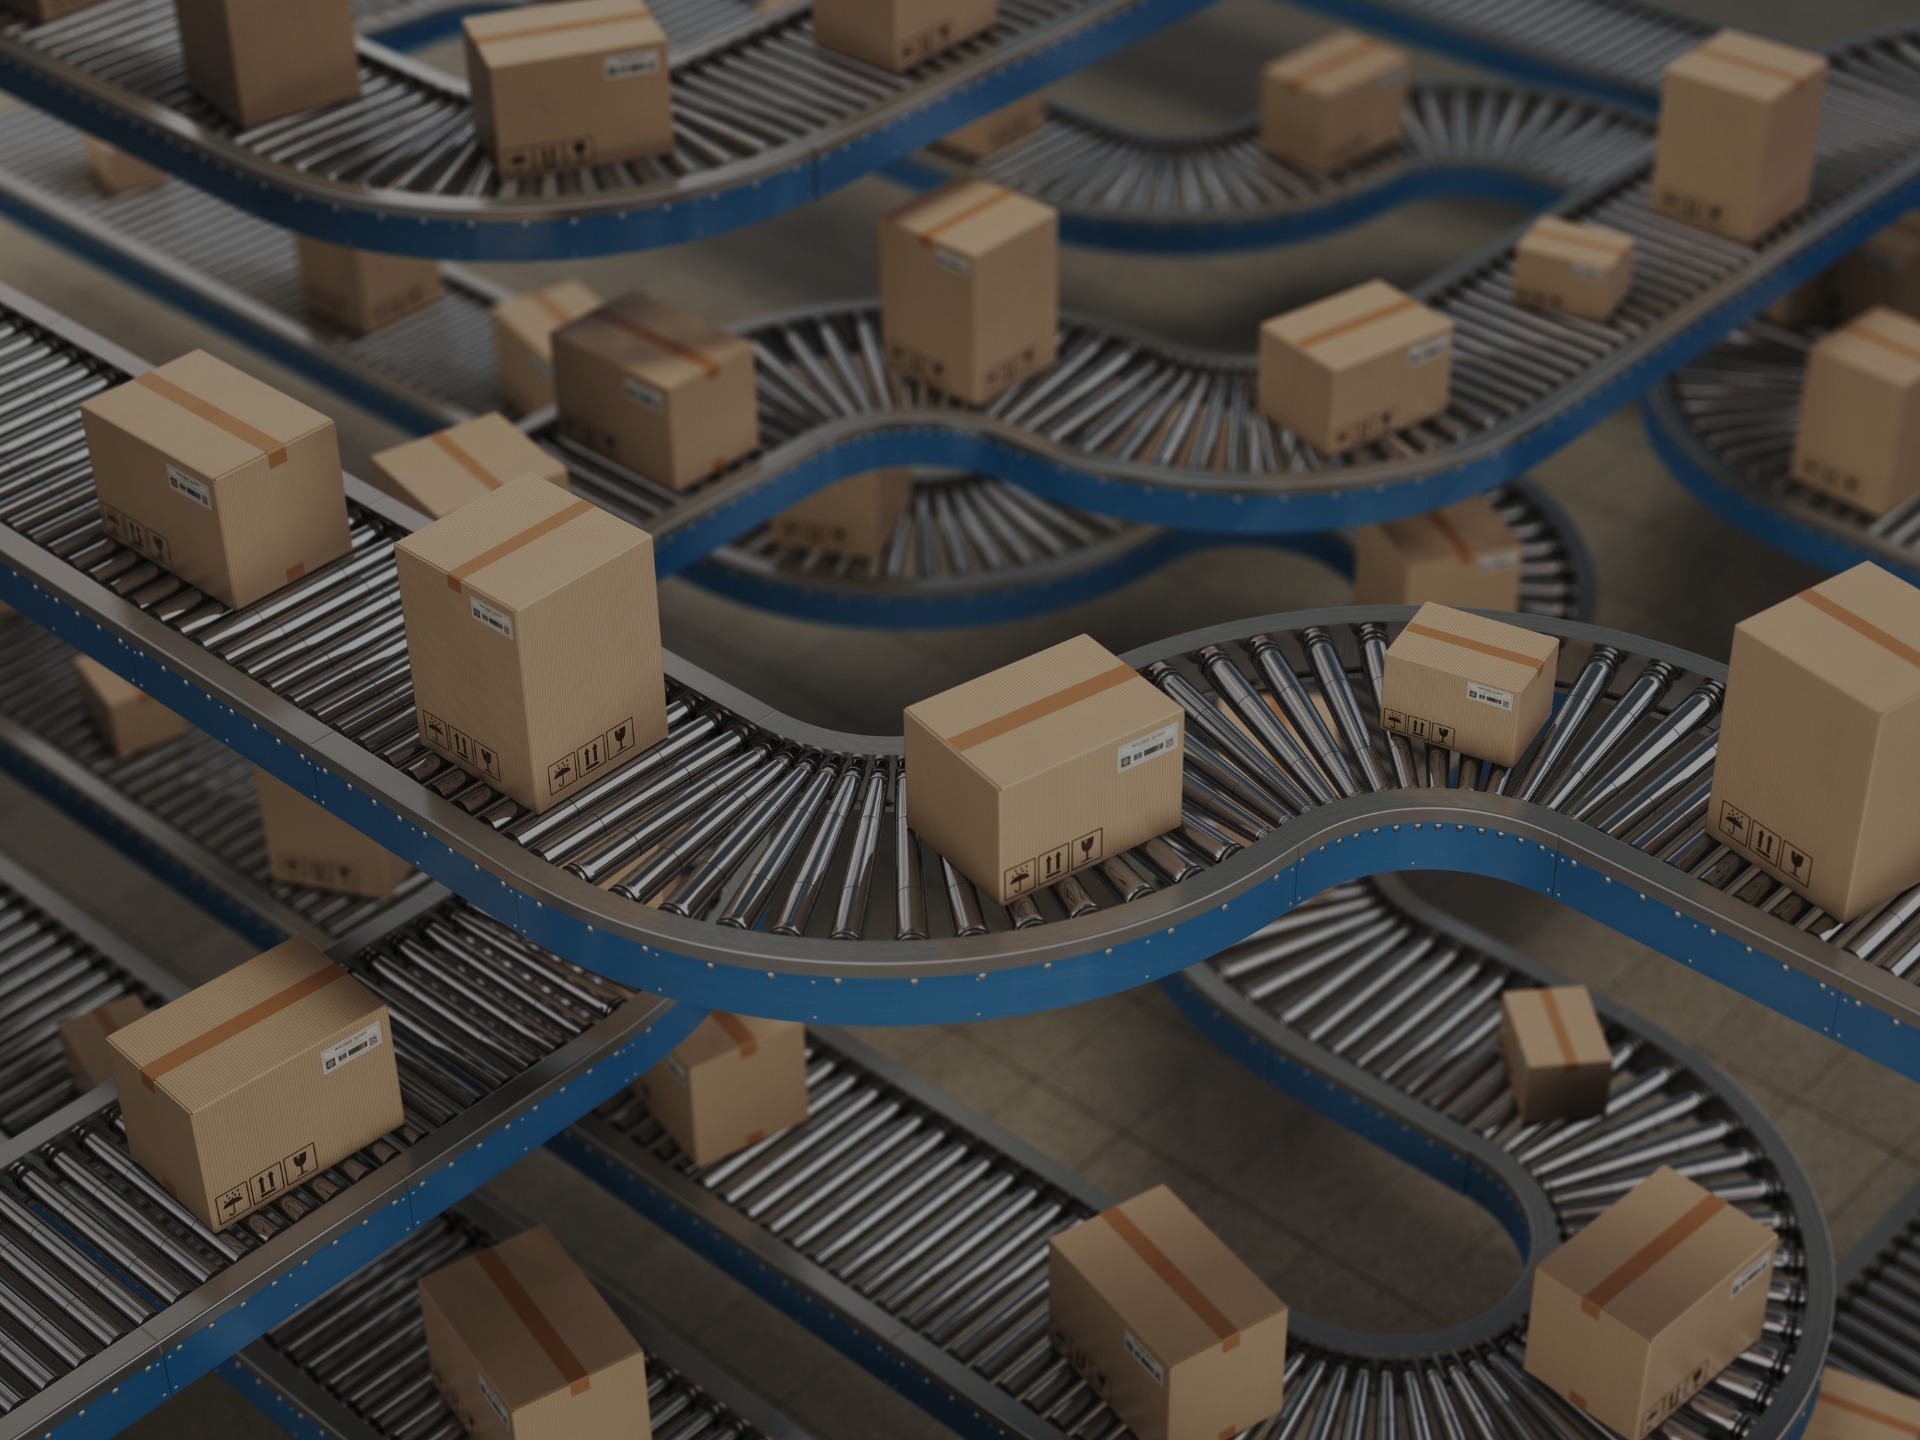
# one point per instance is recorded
(1173, 1277)
(1461, 550)
(965, 213)
(742, 1037)
(1358, 322)
(1085, 690)
(463, 457)
(1867, 1412)
(1353, 49)
(1481, 646)
(1558, 1022)
(1649, 1255)
(1886, 342)
(501, 37)
(660, 341)
(1759, 67)
(534, 1320)
(460, 574)
(1892, 644)
(173, 394)
(227, 1029)
(1580, 237)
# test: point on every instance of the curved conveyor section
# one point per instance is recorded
(1876, 1330)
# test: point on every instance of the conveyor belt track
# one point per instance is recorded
(1876, 1329)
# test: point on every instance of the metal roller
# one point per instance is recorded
(1876, 1329)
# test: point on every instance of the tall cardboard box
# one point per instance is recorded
(115, 172)
(1851, 1408)
(1577, 269)
(1044, 767)
(569, 85)
(534, 634)
(899, 34)
(662, 392)
(857, 517)
(256, 1082)
(1642, 1308)
(1739, 120)
(83, 1039)
(523, 329)
(124, 716)
(993, 133)
(970, 289)
(439, 473)
(1167, 1324)
(1336, 101)
(1833, 672)
(217, 476)
(360, 290)
(258, 60)
(1884, 271)
(1859, 436)
(1478, 686)
(1556, 1055)
(523, 1347)
(307, 845)
(1356, 366)
(733, 1082)
(1463, 555)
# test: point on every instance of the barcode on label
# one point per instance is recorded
(352, 1048)
(1429, 350)
(496, 620)
(1487, 695)
(1161, 742)
(642, 394)
(1752, 1273)
(1502, 560)
(1588, 272)
(197, 491)
(676, 1069)
(633, 62)
(1145, 1356)
(947, 260)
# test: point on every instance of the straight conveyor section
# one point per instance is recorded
(1876, 1329)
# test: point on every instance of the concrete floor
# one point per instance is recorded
(1122, 1090)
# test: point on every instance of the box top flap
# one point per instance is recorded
(1588, 244)
(532, 36)
(971, 217)
(1468, 532)
(1860, 1409)
(535, 314)
(665, 344)
(489, 450)
(1858, 632)
(1338, 62)
(1557, 1025)
(208, 415)
(1747, 65)
(724, 1034)
(1491, 650)
(1882, 341)
(108, 688)
(104, 1020)
(1358, 323)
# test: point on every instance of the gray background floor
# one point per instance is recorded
(1122, 1090)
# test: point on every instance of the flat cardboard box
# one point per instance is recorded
(218, 477)
(1859, 436)
(1478, 686)
(661, 392)
(259, 60)
(1044, 767)
(856, 517)
(1833, 672)
(1642, 1308)
(1849, 1407)
(1167, 1324)
(1884, 271)
(1337, 101)
(534, 634)
(970, 289)
(733, 1082)
(124, 716)
(360, 291)
(523, 1347)
(439, 473)
(523, 329)
(115, 172)
(83, 1039)
(1356, 366)
(899, 34)
(569, 85)
(307, 845)
(993, 133)
(1464, 556)
(1557, 1057)
(1739, 120)
(1576, 269)
(256, 1082)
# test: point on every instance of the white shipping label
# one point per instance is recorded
(1752, 1273)
(1145, 1356)
(1584, 271)
(1502, 560)
(1487, 695)
(633, 62)
(352, 1048)
(1429, 350)
(676, 1069)
(947, 260)
(1138, 752)
(497, 621)
(197, 491)
(494, 1400)
(644, 394)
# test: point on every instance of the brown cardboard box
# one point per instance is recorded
(732, 1083)
(524, 1347)
(1850, 1408)
(523, 330)
(899, 34)
(856, 517)
(569, 85)
(1583, 270)
(83, 1039)
(256, 1082)
(1739, 118)
(1338, 100)
(1859, 437)
(1884, 271)
(970, 289)
(125, 717)
(1478, 686)
(1044, 767)
(307, 845)
(1642, 1308)
(115, 172)
(1808, 304)
(1463, 556)
(1833, 673)
(257, 60)
(439, 473)
(1557, 1057)
(219, 477)
(1167, 1324)
(359, 290)
(657, 390)
(1356, 366)
(534, 635)
(995, 132)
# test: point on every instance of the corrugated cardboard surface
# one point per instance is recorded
(307, 845)
(1583, 270)
(523, 340)
(115, 171)
(855, 517)
(1884, 271)
(733, 1082)
(1463, 555)
(439, 473)
(1478, 686)
(258, 60)
(83, 1039)
(1556, 1055)
(1335, 101)
(123, 715)
(1859, 437)
(1852, 1408)
(899, 34)
(996, 131)
(359, 290)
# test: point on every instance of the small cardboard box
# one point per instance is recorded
(439, 473)
(307, 845)
(1167, 1324)
(1739, 120)
(217, 476)
(1356, 366)
(1583, 270)
(1859, 437)
(1557, 1057)
(256, 1082)
(1850, 1408)
(569, 85)
(257, 60)
(732, 1083)
(899, 34)
(970, 289)
(1642, 1308)
(995, 132)
(360, 290)
(657, 390)
(1044, 767)
(125, 717)
(1478, 686)
(1834, 672)
(856, 517)
(523, 329)
(534, 634)
(115, 172)
(1338, 100)
(1464, 556)
(83, 1039)
(523, 1347)
(1884, 271)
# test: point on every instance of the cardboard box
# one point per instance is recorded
(1642, 1308)
(899, 34)
(523, 329)
(1356, 366)
(534, 635)
(1044, 767)
(1884, 271)
(1334, 102)
(256, 1082)
(856, 517)
(1167, 1324)
(657, 390)
(257, 60)
(439, 473)
(1557, 1057)
(1478, 686)
(524, 1347)
(217, 476)
(1739, 120)
(359, 290)
(1583, 270)
(115, 172)
(995, 132)
(732, 1083)
(83, 1039)
(1859, 436)
(1804, 305)
(970, 289)
(1464, 556)
(43, 10)
(124, 716)
(307, 845)
(1850, 1408)
(1834, 673)
(569, 85)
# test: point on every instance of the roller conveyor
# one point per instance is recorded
(1876, 1328)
